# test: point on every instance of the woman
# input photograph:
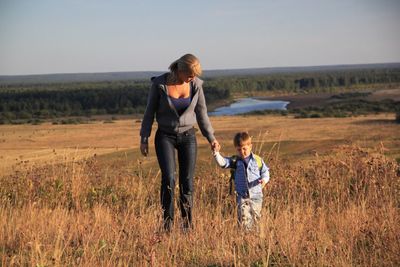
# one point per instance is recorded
(177, 100)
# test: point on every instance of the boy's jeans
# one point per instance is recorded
(186, 145)
(249, 211)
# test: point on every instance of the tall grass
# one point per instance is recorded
(338, 210)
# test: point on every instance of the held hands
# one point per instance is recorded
(144, 148)
(215, 146)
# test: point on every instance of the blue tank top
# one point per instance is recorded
(181, 104)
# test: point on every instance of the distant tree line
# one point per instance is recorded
(308, 82)
(45, 101)
(78, 102)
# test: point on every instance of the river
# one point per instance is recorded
(245, 105)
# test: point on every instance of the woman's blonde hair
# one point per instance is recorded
(188, 64)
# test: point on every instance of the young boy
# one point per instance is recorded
(251, 174)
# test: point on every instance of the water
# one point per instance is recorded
(245, 105)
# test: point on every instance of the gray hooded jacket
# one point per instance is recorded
(160, 105)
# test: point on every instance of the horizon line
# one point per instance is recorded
(207, 70)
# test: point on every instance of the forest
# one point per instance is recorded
(33, 103)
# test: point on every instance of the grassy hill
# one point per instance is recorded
(82, 195)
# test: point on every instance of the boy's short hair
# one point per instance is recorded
(242, 139)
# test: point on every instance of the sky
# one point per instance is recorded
(78, 36)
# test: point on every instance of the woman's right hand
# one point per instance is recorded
(144, 148)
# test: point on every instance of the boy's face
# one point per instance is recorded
(244, 151)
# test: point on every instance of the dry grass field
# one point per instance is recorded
(81, 195)
(41, 144)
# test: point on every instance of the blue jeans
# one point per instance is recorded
(186, 146)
